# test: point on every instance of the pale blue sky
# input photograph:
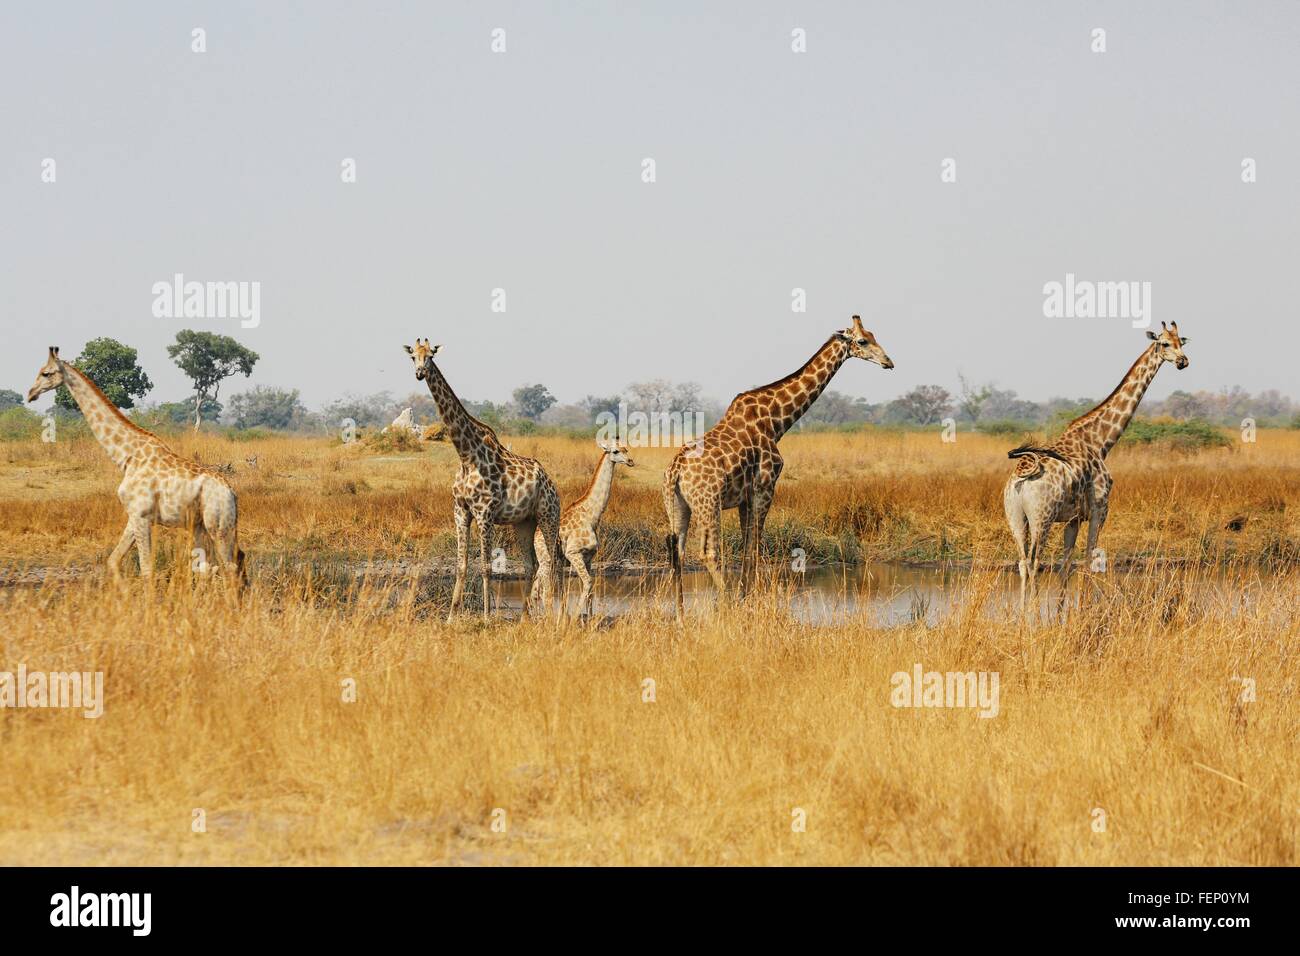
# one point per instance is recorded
(775, 170)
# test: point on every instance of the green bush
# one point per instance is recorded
(1004, 428)
(1191, 435)
(19, 424)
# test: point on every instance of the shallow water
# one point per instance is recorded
(892, 594)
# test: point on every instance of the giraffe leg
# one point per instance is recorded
(232, 559)
(1018, 524)
(591, 595)
(746, 533)
(1067, 559)
(1097, 515)
(142, 528)
(462, 516)
(762, 501)
(679, 523)
(202, 550)
(711, 545)
(580, 561)
(119, 552)
(1038, 534)
(546, 543)
(524, 536)
(485, 527)
(219, 528)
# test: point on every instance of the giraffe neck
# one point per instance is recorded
(596, 499)
(1103, 426)
(118, 436)
(462, 428)
(783, 403)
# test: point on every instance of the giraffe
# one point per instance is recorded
(1067, 480)
(494, 486)
(158, 486)
(578, 523)
(736, 463)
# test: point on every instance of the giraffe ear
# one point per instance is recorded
(1183, 339)
(1151, 335)
(436, 349)
(409, 350)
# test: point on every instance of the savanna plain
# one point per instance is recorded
(331, 716)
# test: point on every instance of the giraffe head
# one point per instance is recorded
(1170, 344)
(863, 345)
(422, 354)
(49, 377)
(617, 453)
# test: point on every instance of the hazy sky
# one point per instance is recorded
(775, 170)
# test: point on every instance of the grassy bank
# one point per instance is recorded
(853, 497)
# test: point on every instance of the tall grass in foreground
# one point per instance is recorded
(1132, 706)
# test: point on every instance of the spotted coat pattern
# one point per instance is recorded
(736, 463)
(1067, 481)
(158, 486)
(493, 487)
(580, 520)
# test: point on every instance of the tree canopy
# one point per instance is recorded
(209, 359)
(113, 367)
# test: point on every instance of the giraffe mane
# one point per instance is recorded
(1088, 416)
(113, 409)
(796, 374)
(590, 484)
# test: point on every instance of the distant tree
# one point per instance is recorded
(836, 408)
(924, 404)
(972, 397)
(9, 399)
(533, 400)
(265, 407)
(208, 360)
(376, 409)
(575, 417)
(1184, 405)
(596, 405)
(182, 412)
(655, 395)
(1002, 405)
(112, 366)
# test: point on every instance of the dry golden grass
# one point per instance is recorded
(859, 496)
(1130, 707)
(1131, 704)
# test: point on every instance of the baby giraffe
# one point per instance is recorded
(578, 524)
(158, 486)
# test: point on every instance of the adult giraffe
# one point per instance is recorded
(1066, 480)
(158, 486)
(494, 486)
(736, 463)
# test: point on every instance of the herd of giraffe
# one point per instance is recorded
(736, 464)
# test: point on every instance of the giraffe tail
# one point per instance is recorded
(1030, 460)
